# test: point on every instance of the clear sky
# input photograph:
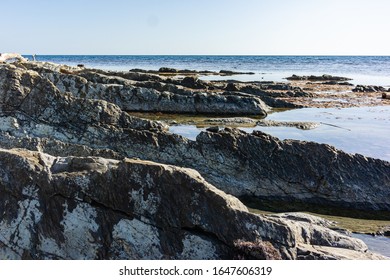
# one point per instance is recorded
(247, 27)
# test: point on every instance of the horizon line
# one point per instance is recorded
(317, 55)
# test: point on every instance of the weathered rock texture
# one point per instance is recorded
(96, 208)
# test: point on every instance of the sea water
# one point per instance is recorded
(366, 70)
(364, 130)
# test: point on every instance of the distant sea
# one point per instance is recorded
(373, 70)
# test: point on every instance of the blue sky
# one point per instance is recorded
(248, 27)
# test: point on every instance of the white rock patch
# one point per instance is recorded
(149, 205)
(134, 239)
(79, 224)
(17, 234)
(8, 124)
(197, 248)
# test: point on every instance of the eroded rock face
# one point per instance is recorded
(97, 208)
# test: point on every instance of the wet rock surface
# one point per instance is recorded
(76, 170)
(299, 125)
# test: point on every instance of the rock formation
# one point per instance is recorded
(120, 91)
(72, 187)
(96, 208)
(361, 88)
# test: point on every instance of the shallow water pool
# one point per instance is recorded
(364, 130)
(377, 244)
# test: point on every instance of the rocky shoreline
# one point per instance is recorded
(83, 179)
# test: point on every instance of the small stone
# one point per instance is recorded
(231, 87)
(167, 70)
(214, 129)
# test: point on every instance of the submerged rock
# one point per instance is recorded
(231, 121)
(299, 125)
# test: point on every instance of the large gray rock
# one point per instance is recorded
(263, 166)
(120, 91)
(28, 96)
(97, 208)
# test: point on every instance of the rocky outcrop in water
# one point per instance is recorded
(361, 88)
(75, 189)
(317, 78)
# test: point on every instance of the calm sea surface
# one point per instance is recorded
(362, 69)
